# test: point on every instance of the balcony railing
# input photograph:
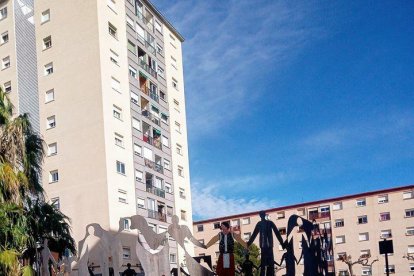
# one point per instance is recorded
(156, 191)
(154, 96)
(150, 116)
(150, 140)
(157, 215)
(313, 216)
(151, 164)
(148, 68)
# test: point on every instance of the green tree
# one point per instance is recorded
(25, 218)
(240, 255)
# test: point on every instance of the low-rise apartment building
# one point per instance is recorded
(354, 225)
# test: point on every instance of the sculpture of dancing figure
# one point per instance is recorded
(46, 256)
(265, 228)
(226, 239)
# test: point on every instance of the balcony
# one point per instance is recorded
(151, 164)
(148, 69)
(151, 117)
(156, 191)
(157, 215)
(315, 216)
(147, 139)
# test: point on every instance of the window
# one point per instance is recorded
(177, 127)
(137, 150)
(341, 255)
(50, 95)
(139, 176)
(52, 149)
(385, 216)
(409, 213)
(112, 30)
(165, 141)
(167, 164)
(173, 259)
(140, 203)
(122, 196)
(408, 195)
(235, 222)
(245, 221)
(117, 112)
(158, 26)
(363, 236)
(391, 269)
(383, 199)
(411, 267)
(136, 124)
(280, 215)
(50, 122)
(4, 38)
(45, 17)
(175, 84)
(132, 72)
(176, 104)
(339, 223)
(343, 272)
(340, 239)
(7, 87)
(114, 57)
(182, 193)
(365, 253)
(116, 85)
(159, 49)
(132, 47)
(140, 31)
(366, 271)
(385, 234)
(200, 228)
(246, 236)
(3, 13)
(179, 149)
(180, 171)
(5, 63)
(164, 118)
(362, 219)
(120, 167)
(361, 202)
(126, 253)
(55, 202)
(163, 96)
(130, 22)
(53, 176)
(409, 231)
(216, 225)
(160, 71)
(168, 188)
(170, 211)
(47, 42)
(119, 140)
(134, 98)
(183, 215)
(127, 224)
(48, 69)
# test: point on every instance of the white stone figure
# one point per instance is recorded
(154, 264)
(197, 269)
(46, 256)
(181, 232)
(92, 240)
(153, 239)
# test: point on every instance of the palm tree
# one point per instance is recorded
(25, 218)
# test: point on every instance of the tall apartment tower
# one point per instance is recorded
(103, 83)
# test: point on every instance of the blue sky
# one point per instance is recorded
(294, 101)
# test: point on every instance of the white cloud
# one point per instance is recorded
(212, 202)
(228, 46)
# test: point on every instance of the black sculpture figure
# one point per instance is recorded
(247, 267)
(265, 228)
